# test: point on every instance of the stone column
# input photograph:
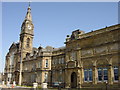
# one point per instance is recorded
(79, 79)
(82, 75)
(95, 75)
(110, 74)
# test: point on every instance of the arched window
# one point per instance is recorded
(46, 63)
(28, 42)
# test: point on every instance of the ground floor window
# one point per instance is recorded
(115, 73)
(33, 78)
(46, 77)
(102, 74)
(87, 75)
(60, 76)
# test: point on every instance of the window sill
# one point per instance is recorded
(46, 67)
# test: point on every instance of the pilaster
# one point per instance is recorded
(95, 75)
(110, 74)
(82, 75)
(79, 79)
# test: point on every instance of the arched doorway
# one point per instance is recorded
(73, 80)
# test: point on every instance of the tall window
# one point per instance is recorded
(46, 76)
(62, 60)
(34, 66)
(53, 76)
(60, 76)
(46, 63)
(105, 74)
(99, 74)
(28, 42)
(102, 74)
(12, 59)
(87, 75)
(116, 73)
(39, 64)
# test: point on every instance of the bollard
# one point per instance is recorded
(14, 83)
(35, 85)
(12, 86)
(3, 83)
(44, 85)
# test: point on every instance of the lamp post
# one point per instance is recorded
(20, 74)
(79, 86)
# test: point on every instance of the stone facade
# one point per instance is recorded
(95, 58)
(86, 60)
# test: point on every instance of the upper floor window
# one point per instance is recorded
(73, 56)
(52, 62)
(62, 60)
(46, 63)
(28, 42)
(12, 59)
(39, 64)
(87, 74)
(102, 74)
(34, 66)
(116, 73)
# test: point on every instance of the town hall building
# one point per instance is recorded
(87, 60)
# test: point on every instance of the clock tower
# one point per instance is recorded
(26, 35)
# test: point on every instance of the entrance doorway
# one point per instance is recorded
(73, 80)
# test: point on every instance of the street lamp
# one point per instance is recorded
(79, 86)
(106, 83)
(20, 75)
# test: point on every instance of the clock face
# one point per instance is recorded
(29, 27)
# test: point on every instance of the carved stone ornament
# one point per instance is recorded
(71, 64)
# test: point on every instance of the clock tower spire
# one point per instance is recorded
(28, 15)
(26, 35)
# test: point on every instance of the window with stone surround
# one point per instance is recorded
(88, 75)
(73, 56)
(28, 43)
(46, 77)
(11, 59)
(102, 74)
(46, 63)
(115, 73)
(60, 76)
(53, 76)
(39, 64)
(62, 60)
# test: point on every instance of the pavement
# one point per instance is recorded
(3, 86)
(10, 86)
